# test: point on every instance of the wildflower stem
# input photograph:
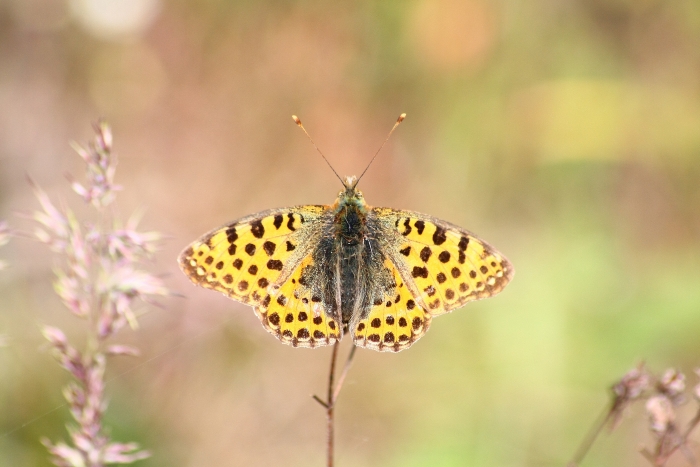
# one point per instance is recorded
(98, 282)
(329, 403)
(592, 435)
(692, 424)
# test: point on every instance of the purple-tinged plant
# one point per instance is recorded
(663, 396)
(98, 282)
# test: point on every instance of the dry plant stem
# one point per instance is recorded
(332, 396)
(670, 445)
(691, 426)
(592, 436)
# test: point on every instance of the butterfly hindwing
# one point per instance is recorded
(298, 317)
(444, 265)
(256, 260)
(394, 322)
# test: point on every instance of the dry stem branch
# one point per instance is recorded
(662, 396)
(332, 397)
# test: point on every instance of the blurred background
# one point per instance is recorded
(566, 133)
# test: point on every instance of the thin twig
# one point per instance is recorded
(692, 424)
(592, 436)
(341, 380)
(329, 403)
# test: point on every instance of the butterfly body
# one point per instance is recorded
(315, 273)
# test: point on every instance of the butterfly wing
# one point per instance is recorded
(296, 316)
(258, 260)
(440, 266)
(393, 323)
(447, 265)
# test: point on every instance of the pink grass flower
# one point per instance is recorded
(99, 281)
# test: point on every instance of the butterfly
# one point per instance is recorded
(316, 273)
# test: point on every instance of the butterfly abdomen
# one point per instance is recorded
(349, 225)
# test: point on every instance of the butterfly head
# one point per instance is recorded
(350, 195)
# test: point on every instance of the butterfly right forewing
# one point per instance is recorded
(445, 265)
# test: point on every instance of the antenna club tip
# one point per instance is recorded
(401, 117)
(296, 120)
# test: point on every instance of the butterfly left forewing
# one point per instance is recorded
(254, 261)
(444, 265)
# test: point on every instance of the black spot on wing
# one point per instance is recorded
(278, 221)
(257, 229)
(274, 264)
(420, 272)
(269, 247)
(463, 242)
(231, 234)
(408, 227)
(417, 323)
(439, 236)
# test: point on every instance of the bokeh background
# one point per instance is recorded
(566, 133)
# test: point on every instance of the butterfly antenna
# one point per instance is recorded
(398, 120)
(298, 122)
